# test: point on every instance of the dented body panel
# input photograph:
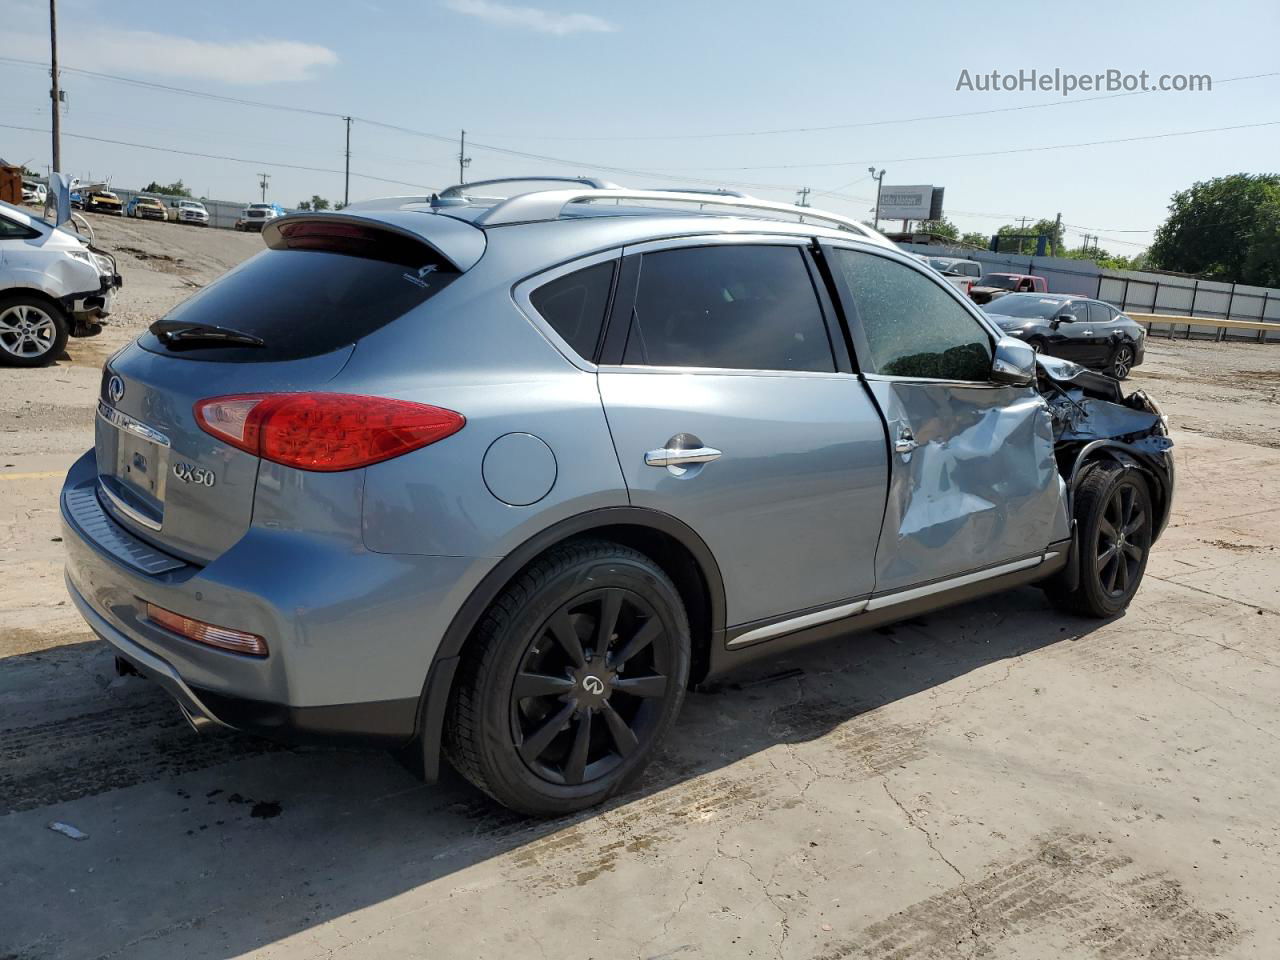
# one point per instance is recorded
(1093, 420)
(981, 486)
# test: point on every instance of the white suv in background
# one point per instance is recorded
(190, 211)
(257, 215)
(52, 286)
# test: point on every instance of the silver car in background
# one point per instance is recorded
(498, 473)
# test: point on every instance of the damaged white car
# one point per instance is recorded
(52, 286)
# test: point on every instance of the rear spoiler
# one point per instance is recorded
(457, 242)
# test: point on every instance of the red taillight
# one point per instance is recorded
(324, 431)
(207, 633)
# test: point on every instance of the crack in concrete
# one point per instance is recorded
(1209, 593)
(974, 921)
(1204, 696)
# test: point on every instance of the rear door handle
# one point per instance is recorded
(676, 457)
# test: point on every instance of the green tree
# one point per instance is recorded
(175, 189)
(975, 239)
(304, 205)
(940, 228)
(319, 203)
(1223, 229)
(1049, 228)
(1262, 265)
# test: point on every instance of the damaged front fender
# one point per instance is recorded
(1094, 421)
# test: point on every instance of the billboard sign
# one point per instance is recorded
(906, 203)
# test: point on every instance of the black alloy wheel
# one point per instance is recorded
(590, 687)
(1122, 361)
(571, 680)
(1115, 520)
(1120, 550)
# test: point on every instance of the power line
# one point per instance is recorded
(872, 123)
(994, 153)
(267, 105)
(214, 156)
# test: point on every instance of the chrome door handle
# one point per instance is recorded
(675, 457)
(906, 441)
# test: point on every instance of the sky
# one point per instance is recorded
(771, 96)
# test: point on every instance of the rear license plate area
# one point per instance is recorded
(140, 465)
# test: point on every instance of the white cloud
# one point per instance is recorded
(531, 18)
(144, 52)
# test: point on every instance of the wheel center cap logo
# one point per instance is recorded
(593, 685)
(115, 388)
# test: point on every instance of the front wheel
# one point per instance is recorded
(1121, 361)
(1036, 344)
(1114, 523)
(33, 332)
(573, 678)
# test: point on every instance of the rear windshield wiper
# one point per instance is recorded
(175, 332)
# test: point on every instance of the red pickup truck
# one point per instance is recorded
(991, 286)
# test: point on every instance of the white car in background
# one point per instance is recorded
(34, 192)
(962, 280)
(52, 285)
(190, 211)
(257, 215)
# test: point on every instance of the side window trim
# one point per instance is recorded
(522, 291)
(853, 324)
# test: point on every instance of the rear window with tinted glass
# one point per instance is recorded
(302, 303)
(574, 305)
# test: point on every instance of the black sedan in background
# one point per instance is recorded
(1088, 332)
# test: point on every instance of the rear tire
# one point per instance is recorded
(33, 331)
(1121, 362)
(1114, 522)
(553, 710)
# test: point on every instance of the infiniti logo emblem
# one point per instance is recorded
(593, 685)
(115, 388)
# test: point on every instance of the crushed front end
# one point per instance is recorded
(1093, 421)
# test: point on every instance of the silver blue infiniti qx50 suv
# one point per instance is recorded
(498, 473)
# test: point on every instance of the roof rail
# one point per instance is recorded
(549, 205)
(460, 189)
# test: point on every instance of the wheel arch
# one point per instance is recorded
(29, 291)
(669, 542)
(1158, 468)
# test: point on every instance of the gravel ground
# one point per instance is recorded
(994, 781)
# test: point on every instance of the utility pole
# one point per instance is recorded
(346, 183)
(265, 177)
(463, 160)
(1022, 228)
(54, 95)
(803, 194)
(1057, 230)
(879, 179)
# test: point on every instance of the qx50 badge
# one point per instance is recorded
(190, 473)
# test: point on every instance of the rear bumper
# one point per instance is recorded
(351, 634)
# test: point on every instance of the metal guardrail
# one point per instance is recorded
(1221, 324)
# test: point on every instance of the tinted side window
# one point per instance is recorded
(575, 304)
(736, 307)
(1078, 310)
(1099, 313)
(912, 327)
(9, 230)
